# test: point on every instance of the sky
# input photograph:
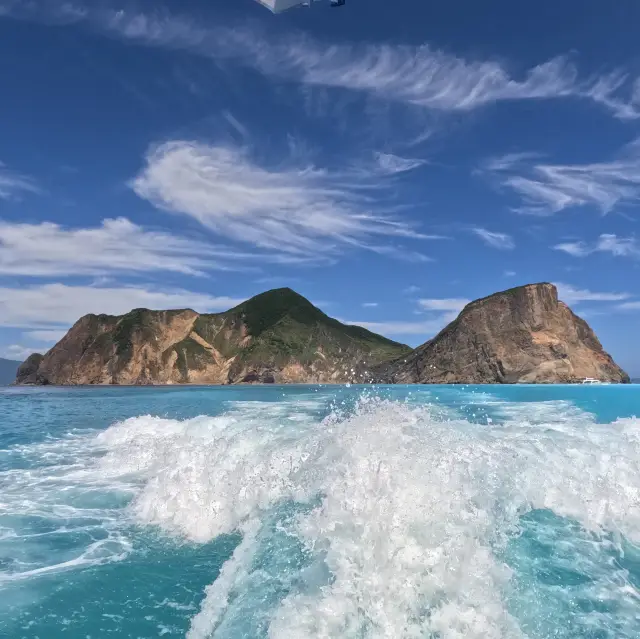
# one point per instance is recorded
(388, 160)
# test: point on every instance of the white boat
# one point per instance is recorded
(278, 6)
(591, 380)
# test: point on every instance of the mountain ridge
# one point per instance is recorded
(524, 334)
(276, 336)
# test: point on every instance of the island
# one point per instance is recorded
(522, 335)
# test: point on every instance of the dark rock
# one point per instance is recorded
(28, 371)
(259, 377)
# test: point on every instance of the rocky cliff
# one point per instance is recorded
(521, 335)
(27, 372)
(276, 337)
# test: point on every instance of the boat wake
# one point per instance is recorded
(393, 521)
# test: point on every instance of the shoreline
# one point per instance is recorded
(634, 382)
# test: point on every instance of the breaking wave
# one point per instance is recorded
(395, 520)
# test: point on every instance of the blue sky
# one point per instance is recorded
(388, 160)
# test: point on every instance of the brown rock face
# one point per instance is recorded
(101, 349)
(523, 335)
(276, 337)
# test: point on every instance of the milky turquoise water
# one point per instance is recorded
(309, 512)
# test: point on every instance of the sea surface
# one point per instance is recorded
(320, 512)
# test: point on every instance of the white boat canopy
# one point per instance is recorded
(278, 6)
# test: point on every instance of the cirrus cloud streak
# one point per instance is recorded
(546, 189)
(13, 184)
(55, 306)
(500, 241)
(415, 75)
(606, 243)
(117, 245)
(296, 211)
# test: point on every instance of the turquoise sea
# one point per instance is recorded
(320, 512)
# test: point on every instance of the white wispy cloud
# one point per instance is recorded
(426, 328)
(17, 352)
(500, 241)
(12, 184)
(509, 273)
(440, 312)
(453, 304)
(117, 245)
(427, 77)
(411, 290)
(370, 305)
(400, 252)
(507, 161)
(572, 295)
(629, 306)
(615, 92)
(390, 164)
(606, 243)
(416, 75)
(56, 306)
(421, 75)
(575, 249)
(46, 335)
(618, 246)
(299, 210)
(546, 189)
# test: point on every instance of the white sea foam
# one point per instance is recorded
(413, 511)
(217, 594)
(78, 485)
(115, 548)
(570, 582)
(408, 508)
(54, 492)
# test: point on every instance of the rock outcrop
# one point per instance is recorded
(523, 335)
(28, 370)
(276, 337)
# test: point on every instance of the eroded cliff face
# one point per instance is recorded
(276, 337)
(523, 335)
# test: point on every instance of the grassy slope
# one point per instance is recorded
(285, 325)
